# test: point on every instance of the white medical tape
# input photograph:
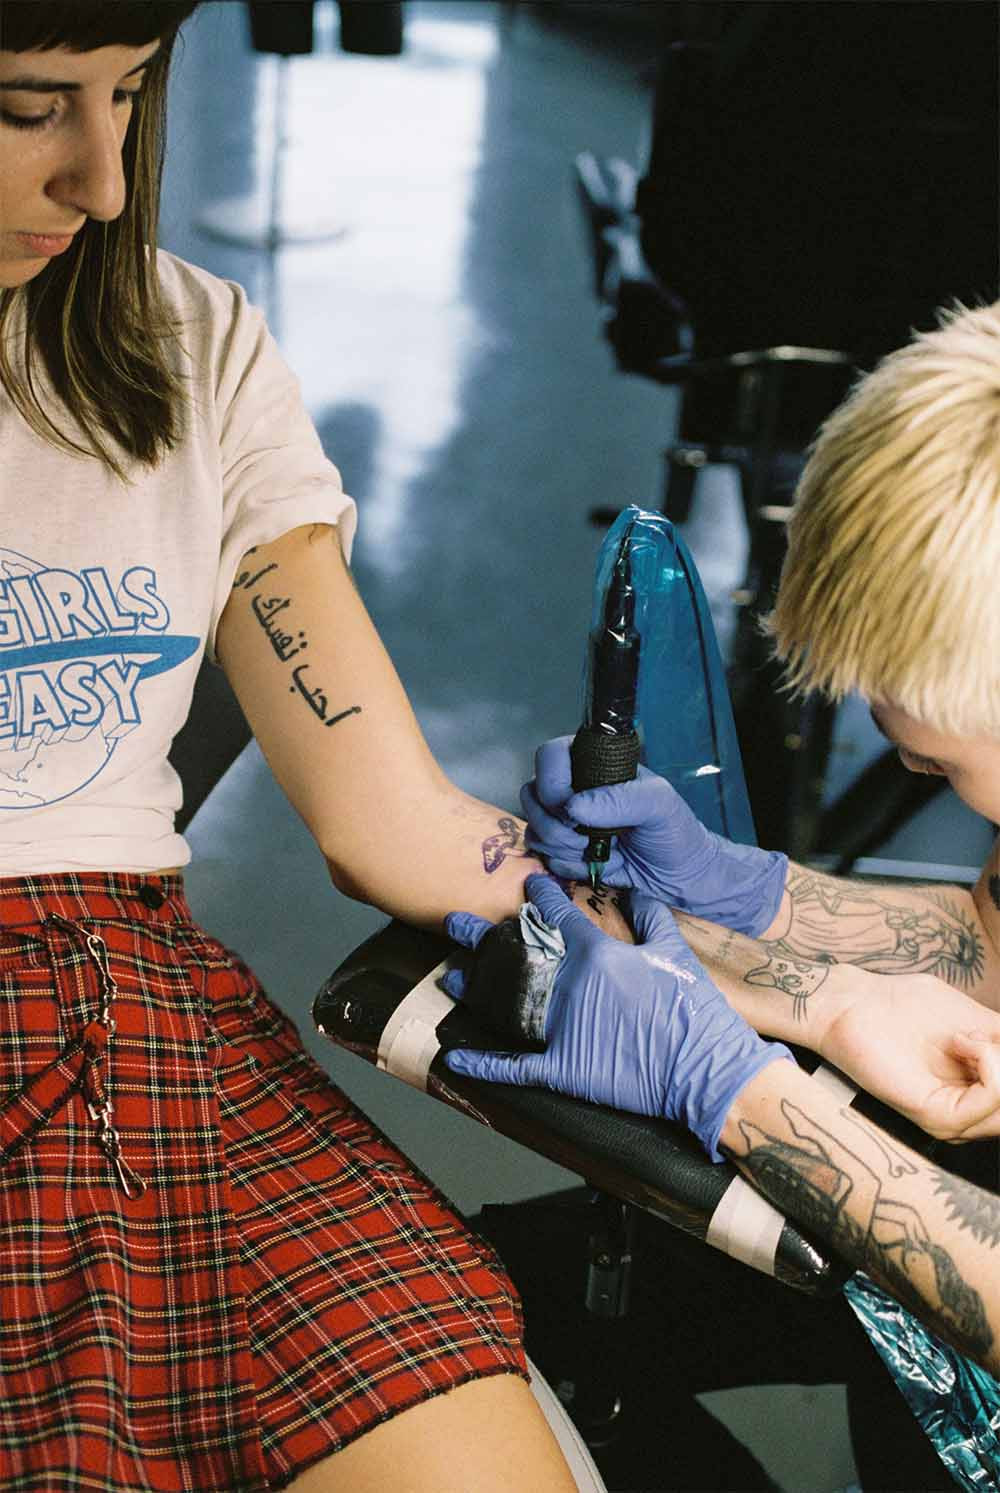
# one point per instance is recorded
(746, 1226)
(835, 1084)
(409, 1044)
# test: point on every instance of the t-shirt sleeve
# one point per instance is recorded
(275, 475)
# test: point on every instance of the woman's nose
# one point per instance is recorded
(91, 178)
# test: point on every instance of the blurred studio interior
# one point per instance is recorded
(512, 251)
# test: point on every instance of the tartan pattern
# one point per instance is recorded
(286, 1279)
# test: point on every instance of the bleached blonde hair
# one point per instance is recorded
(891, 584)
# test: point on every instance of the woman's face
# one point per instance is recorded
(63, 118)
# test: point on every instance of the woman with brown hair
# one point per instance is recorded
(216, 1273)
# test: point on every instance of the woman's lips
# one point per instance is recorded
(46, 243)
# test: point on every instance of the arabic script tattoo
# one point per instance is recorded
(287, 645)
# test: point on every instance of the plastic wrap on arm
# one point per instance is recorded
(684, 715)
(955, 1401)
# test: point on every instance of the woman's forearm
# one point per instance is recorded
(928, 1237)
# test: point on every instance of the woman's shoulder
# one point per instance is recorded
(198, 298)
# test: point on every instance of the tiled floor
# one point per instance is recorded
(449, 351)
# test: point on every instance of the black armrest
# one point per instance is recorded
(651, 1163)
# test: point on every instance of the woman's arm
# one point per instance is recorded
(332, 718)
(929, 1237)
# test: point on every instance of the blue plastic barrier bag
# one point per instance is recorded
(685, 718)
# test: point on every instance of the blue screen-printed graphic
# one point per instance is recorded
(75, 646)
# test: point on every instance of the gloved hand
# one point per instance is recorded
(665, 850)
(638, 1027)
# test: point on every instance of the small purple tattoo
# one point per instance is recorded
(496, 847)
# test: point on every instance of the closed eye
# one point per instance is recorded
(913, 762)
(40, 121)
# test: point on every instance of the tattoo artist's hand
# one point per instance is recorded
(665, 851)
(639, 1027)
(923, 1047)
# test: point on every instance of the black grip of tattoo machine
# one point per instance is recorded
(605, 750)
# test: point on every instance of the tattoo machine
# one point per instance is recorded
(605, 750)
(655, 687)
(651, 616)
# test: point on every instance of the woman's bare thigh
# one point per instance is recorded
(487, 1436)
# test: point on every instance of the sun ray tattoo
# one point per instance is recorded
(970, 1207)
(833, 922)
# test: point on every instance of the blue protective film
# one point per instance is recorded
(955, 1401)
(684, 715)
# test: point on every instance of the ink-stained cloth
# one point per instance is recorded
(111, 593)
(262, 1279)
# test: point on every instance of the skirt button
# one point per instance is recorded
(151, 896)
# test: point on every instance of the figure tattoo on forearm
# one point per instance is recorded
(831, 922)
(846, 1196)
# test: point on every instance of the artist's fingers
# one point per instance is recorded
(653, 923)
(547, 824)
(494, 1067)
(553, 773)
(557, 910)
(645, 798)
(466, 928)
(452, 982)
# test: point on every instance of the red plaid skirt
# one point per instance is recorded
(214, 1271)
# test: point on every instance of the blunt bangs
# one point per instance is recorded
(86, 25)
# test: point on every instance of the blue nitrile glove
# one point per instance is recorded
(638, 1027)
(665, 850)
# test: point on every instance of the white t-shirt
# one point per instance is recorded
(110, 594)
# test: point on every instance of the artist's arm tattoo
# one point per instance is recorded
(970, 1207)
(796, 978)
(852, 1195)
(733, 960)
(849, 922)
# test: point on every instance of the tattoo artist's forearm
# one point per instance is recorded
(986, 899)
(928, 1237)
(774, 991)
(885, 929)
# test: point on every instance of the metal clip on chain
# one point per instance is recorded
(95, 1041)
